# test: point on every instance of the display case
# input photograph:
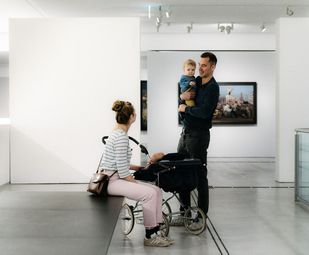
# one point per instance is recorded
(302, 165)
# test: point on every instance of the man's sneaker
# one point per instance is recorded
(196, 225)
(177, 221)
(156, 241)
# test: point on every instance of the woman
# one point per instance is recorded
(117, 157)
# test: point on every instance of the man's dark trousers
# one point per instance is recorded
(193, 143)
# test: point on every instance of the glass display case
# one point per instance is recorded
(302, 165)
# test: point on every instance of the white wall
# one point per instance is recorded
(164, 70)
(4, 153)
(4, 70)
(4, 127)
(293, 103)
(64, 76)
(200, 42)
(4, 97)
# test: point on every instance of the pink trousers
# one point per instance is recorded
(149, 195)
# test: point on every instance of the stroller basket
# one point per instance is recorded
(172, 175)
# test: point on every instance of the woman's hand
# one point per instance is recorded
(135, 167)
(129, 178)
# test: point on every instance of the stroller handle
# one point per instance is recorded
(143, 148)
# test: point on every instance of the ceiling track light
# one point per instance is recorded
(189, 28)
(168, 13)
(225, 27)
(163, 15)
(263, 28)
(158, 26)
(289, 11)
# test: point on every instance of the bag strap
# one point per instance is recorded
(99, 163)
(112, 174)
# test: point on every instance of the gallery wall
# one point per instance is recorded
(64, 76)
(4, 153)
(293, 103)
(4, 126)
(4, 97)
(243, 141)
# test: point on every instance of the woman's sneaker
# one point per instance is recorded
(168, 239)
(156, 241)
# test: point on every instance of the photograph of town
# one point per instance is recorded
(237, 103)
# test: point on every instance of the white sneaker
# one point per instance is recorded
(168, 239)
(156, 241)
(196, 225)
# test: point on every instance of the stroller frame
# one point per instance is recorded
(193, 217)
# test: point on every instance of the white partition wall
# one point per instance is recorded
(64, 76)
(293, 103)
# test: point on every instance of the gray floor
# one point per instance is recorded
(252, 214)
(71, 223)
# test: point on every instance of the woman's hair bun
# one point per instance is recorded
(118, 106)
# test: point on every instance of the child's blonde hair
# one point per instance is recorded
(189, 62)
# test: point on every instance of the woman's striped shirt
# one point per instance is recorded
(117, 153)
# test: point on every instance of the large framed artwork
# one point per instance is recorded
(143, 105)
(237, 103)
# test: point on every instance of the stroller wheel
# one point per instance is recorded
(165, 226)
(127, 219)
(195, 220)
(166, 209)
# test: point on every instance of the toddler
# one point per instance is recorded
(187, 80)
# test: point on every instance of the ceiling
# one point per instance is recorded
(247, 15)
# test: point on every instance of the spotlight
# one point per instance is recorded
(289, 11)
(189, 28)
(225, 27)
(168, 14)
(263, 28)
(221, 27)
(158, 24)
(228, 29)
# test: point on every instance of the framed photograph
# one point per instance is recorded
(143, 105)
(237, 103)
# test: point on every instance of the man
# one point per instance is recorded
(197, 121)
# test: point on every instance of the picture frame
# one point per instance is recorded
(237, 104)
(143, 104)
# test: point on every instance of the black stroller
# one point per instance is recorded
(173, 173)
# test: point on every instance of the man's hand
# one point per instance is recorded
(182, 108)
(187, 95)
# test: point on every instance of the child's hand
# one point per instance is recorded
(192, 83)
(155, 157)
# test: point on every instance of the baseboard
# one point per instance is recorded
(242, 159)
